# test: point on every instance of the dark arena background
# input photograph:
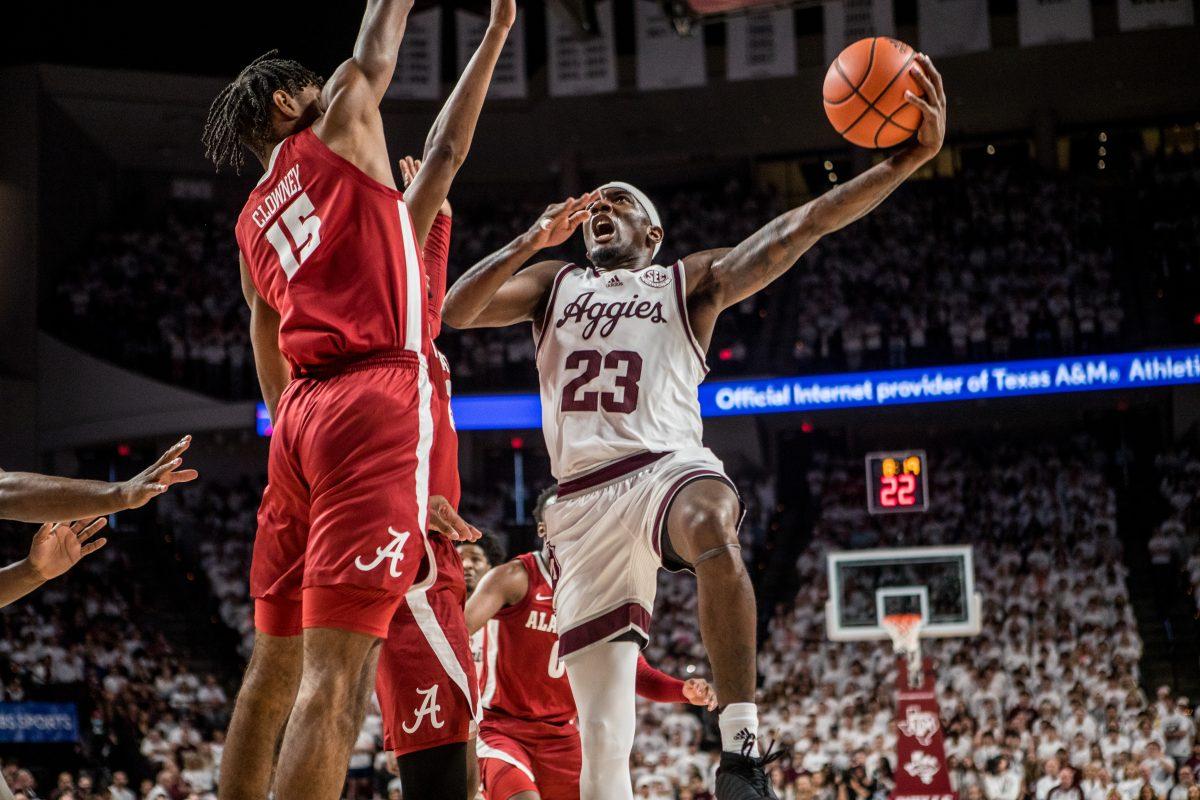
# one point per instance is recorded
(1008, 348)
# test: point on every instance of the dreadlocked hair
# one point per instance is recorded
(240, 116)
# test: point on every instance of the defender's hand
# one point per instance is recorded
(409, 167)
(446, 521)
(58, 546)
(154, 480)
(932, 105)
(504, 13)
(560, 220)
(699, 693)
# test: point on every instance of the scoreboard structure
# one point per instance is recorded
(897, 482)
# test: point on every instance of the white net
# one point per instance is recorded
(905, 630)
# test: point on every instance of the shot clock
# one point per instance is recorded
(897, 482)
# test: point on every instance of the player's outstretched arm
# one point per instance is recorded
(493, 294)
(727, 277)
(371, 67)
(503, 586)
(28, 497)
(57, 546)
(450, 137)
(653, 684)
(437, 250)
(269, 363)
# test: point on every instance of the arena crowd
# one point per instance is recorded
(996, 262)
(1046, 700)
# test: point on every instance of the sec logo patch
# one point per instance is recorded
(655, 278)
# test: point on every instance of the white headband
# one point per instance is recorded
(643, 200)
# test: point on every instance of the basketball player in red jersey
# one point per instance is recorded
(528, 744)
(620, 353)
(426, 681)
(332, 273)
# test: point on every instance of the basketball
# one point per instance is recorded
(864, 93)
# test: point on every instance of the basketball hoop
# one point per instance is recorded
(905, 630)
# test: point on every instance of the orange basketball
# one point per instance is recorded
(864, 93)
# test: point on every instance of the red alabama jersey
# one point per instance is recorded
(333, 251)
(522, 676)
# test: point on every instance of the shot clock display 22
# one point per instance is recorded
(897, 482)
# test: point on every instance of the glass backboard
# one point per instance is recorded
(936, 582)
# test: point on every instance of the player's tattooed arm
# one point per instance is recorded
(28, 497)
(492, 294)
(449, 138)
(718, 279)
(269, 363)
(503, 586)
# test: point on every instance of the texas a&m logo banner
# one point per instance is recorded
(920, 752)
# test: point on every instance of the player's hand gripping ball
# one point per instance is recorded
(864, 92)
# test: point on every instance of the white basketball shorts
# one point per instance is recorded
(605, 533)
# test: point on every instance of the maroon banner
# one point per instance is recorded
(920, 751)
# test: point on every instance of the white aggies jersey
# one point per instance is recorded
(618, 366)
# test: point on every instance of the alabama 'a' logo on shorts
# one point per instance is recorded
(393, 552)
(429, 710)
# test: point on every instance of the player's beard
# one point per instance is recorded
(607, 255)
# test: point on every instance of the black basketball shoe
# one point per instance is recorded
(741, 776)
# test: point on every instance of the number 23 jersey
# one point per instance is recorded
(332, 250)
(618, 365)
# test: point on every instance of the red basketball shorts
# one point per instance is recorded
(517, 756)
(426, 682)
(341, 525)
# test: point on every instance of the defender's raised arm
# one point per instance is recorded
(450, 137)
(29, 497)
(728, 276)
(378, 44)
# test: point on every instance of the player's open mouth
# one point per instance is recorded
(603, 228)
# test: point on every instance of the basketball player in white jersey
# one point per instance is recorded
(620, 352)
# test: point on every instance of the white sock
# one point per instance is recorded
(739, 722)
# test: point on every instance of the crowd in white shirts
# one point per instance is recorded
(1044, 705)
(1045, 701)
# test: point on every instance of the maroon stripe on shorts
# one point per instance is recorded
(660, 516)
(617, 469)
(620, 619)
